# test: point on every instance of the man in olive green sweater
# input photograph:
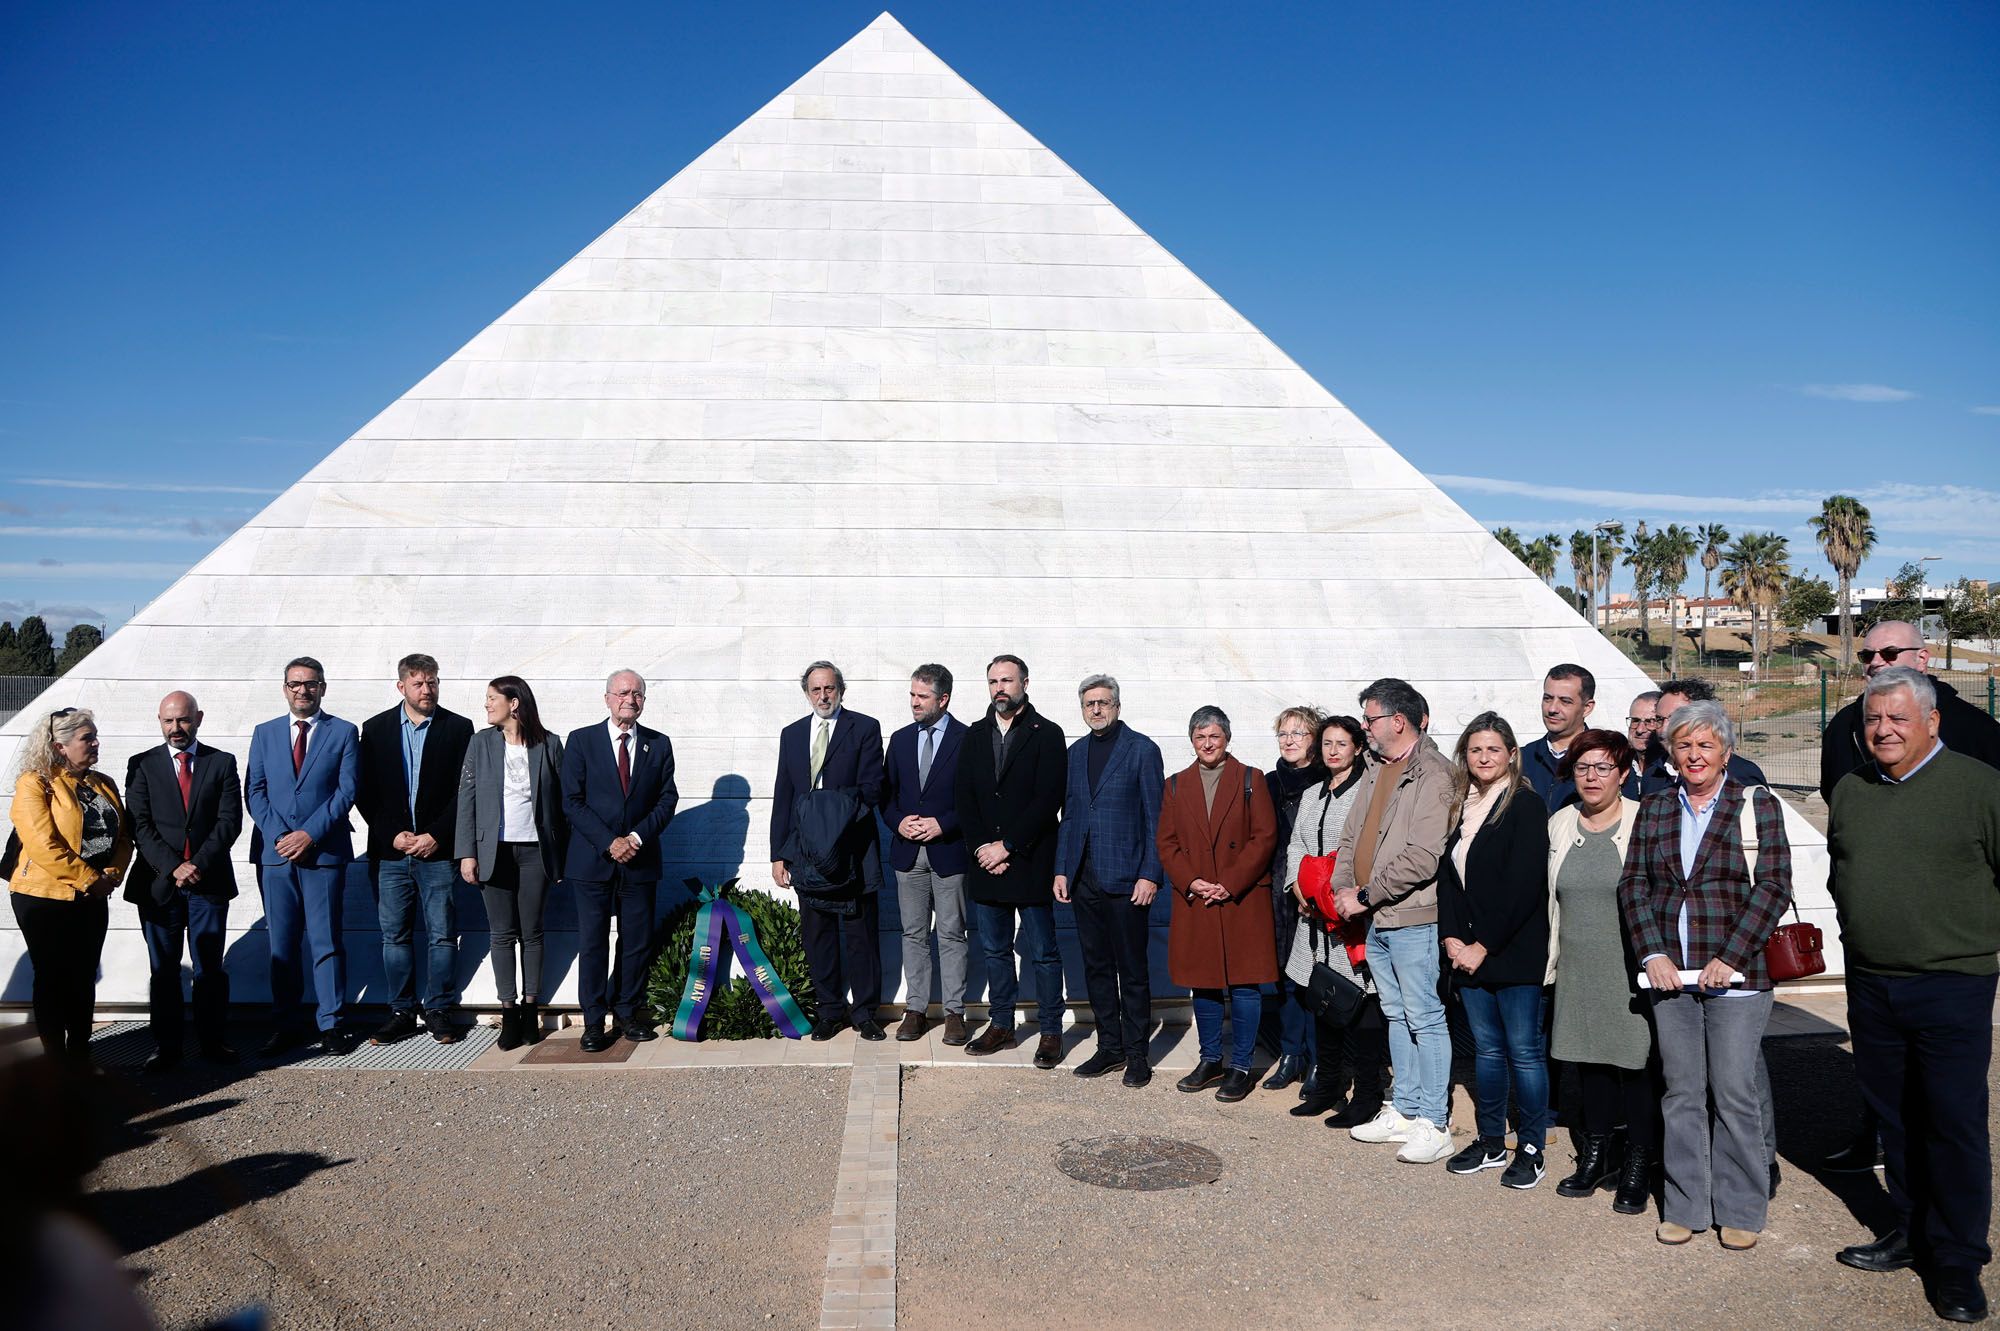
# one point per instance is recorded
(1915, 843)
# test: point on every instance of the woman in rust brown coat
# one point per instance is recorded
(1217, 829)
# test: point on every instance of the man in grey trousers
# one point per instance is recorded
(928, 853)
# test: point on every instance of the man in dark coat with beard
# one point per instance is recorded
(1011, 776)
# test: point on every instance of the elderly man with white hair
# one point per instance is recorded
(1698, 910)
(1914, 838)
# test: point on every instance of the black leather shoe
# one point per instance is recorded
(338, 1042)
(596, 1040)
(870, 1029)
(1236, 1084)
(1776, 1177)
(1098, 1064)
(1956, 1296)
(827, 1027)
(1138, 1073)
(439, 1026)
(1891, 1252)
(219, 1053)
(1048, 1051)
(638, 1032)
(1357, 1112)
(160, 1063)
(1314, 1104)
(1205, 1075)
(1596, 1167)
(1289, 1068)
(1635, 1183)
(400, 1026)
(283, 1039)
(1857, 1157)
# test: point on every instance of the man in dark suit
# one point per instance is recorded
(835, 749)
(304, 769)
(619, 796)
(1108, 868)
(1011, 773)
(186, 807)
(410, 760)
(919, 802)
(1569, 696)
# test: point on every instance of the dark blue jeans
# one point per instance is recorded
(1506, 1025)
(1246, 1008)
(403, 887)
(186, 923)
(1038, 947)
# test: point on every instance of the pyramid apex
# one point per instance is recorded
(886, 20)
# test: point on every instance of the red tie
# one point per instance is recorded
(299, 749)
(625, 763)
(187, 797)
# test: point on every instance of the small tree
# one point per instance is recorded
(1805, 600)
(1904, 600)
(37, 648)
(79, 642)
(1969, 612)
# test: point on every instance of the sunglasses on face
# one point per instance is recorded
(1889, 654)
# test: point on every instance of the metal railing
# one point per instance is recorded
(17, 691)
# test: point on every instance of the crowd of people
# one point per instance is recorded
(1598, 898)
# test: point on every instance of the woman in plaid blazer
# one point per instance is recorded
(1698, 917)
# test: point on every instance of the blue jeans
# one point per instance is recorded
(1405, 965)
(1298, 1033)
(1506, 1023)
(1038, 946)
(402, 887)
(1246, 1008)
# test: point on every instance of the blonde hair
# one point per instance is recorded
(1512, 784)
(1310, 717)
(38, 750)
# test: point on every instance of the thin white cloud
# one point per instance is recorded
(1938, 509)
(39, 571)
(1857, 392)
(148, 487)
(1986, 411)
(194, 529)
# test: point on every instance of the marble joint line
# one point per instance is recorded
(860, 1287)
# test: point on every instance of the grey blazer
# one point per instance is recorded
(480, 793)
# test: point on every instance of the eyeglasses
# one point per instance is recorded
(628, 693)
(304, 685)
(1369, 721)
(1651, 722)
(1889, 654)
(1595, 769)
(1295, 734)
(1095, 703)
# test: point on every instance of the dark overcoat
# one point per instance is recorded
(1018, 803)
(1215, 946)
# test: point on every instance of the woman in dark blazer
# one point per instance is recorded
(1493, 918)
(1217, 827)
(510, 843)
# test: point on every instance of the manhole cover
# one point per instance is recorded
(1144, 1164)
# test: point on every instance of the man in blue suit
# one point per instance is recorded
(304, 770)
(1108, 868)
(1569, 696)
(835, 749)
(919, 803)
(619, 796)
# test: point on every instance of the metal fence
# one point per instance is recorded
(17, 691)
(1780, 718)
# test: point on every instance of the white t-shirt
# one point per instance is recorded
(517, 806)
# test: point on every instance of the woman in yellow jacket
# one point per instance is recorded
(74, 849)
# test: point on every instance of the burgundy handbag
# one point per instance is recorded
(1794, 950)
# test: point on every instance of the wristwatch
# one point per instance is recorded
(1361, 895)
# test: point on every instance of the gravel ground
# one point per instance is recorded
(1307, 1228)
(519, 1200)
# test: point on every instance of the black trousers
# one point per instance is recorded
(1922, 1045)
(1362, 1046)
(65, 940)
(844, 954)
(1615, 1097)
(599, 985)
(186, 922)
(1113, 935)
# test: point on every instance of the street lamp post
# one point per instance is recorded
(1923, 594)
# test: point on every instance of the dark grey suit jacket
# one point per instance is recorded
(481, 793)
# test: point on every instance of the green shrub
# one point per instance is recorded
(734, 1013)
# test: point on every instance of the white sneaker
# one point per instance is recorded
(1425, 1144)
(1387, 1126)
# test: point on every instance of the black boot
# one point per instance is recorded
(1596, 1167)
(1307, 1082)
(510, 1028)
(1635, 1183)
(531, 1022)
(1288, 1069)
(1319, 1092)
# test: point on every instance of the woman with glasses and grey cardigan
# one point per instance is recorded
(1342, 745)
(510, 843)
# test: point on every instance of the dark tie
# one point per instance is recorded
(625, 763)
(187, 796)
(299, 749)
(924, 757)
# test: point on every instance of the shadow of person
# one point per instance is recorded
(1818, 1103)
(139, 1218)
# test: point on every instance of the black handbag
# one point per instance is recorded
(1332, 997)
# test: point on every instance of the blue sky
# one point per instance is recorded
(1576, 261)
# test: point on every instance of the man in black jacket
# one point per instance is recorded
(186, 806)
(410, 761)
(1012, 771)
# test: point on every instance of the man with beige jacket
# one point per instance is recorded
(1387, 868)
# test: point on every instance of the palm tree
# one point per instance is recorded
(1511, 542)
(1639, 558)
(1580, 570)
(1672, 549)
(1610, 540)
(1542, 552)
(1756, 567)
(1846, 537)
(1712, 536)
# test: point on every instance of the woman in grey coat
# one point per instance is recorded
(510, 843)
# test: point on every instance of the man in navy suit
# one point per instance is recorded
(928, 853)
(1569, 695)
(1108, 868)
(619, 795)
(305, 767)
(835, 749)
(186, 806)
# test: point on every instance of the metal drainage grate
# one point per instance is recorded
(127, 1044)
(1143, 1164)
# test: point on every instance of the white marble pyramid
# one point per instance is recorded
(876, 378)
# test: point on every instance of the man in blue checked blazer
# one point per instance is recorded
(305, 768)
(1108, 868)
(619, 796)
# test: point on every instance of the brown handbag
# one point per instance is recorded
(1796, 950)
